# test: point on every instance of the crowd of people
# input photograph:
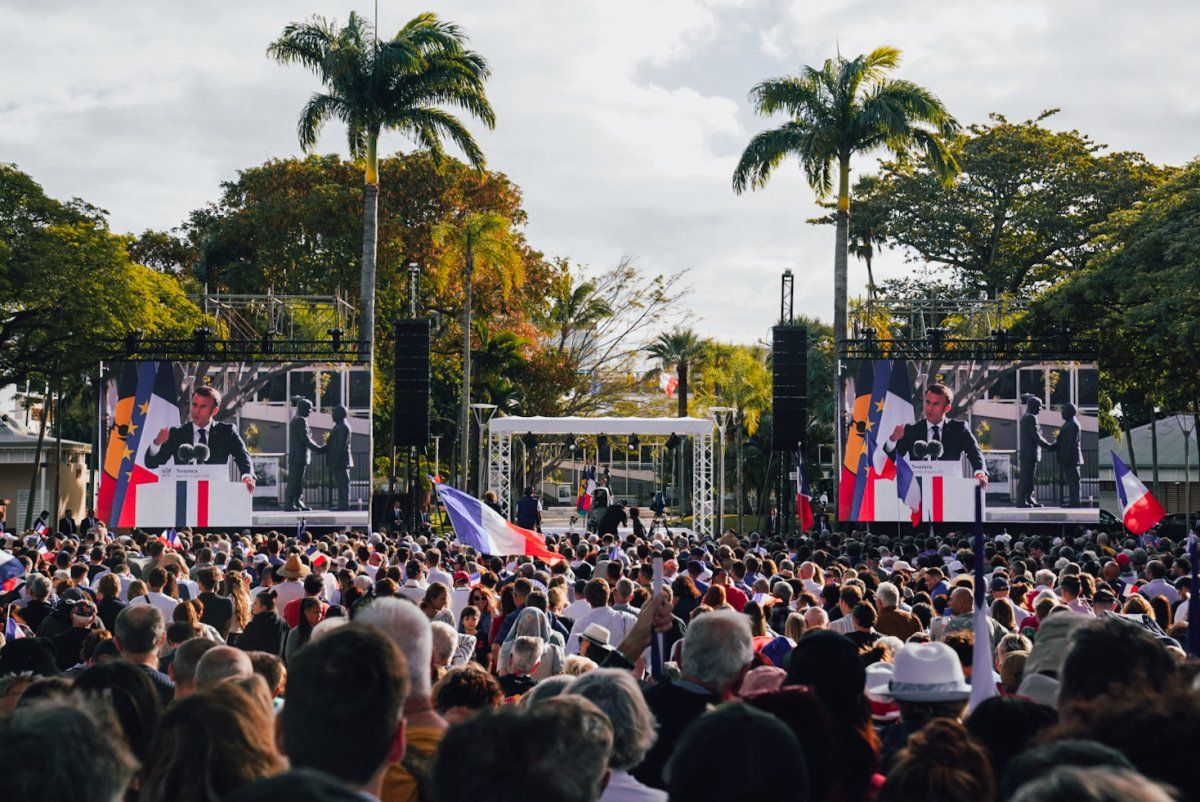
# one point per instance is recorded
(346, 665)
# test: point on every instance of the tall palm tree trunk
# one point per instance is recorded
(370, 241)
(841, 241)
(465, 423)
(681, 371)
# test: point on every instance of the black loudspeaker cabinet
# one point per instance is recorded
(410, 413)
(789, 391)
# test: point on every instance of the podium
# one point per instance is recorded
(947, 493)
(194, 495)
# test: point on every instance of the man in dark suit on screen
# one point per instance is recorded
(339, 457)
(954, 435)
(1069, 450)
(220, 439)
(1030, 444)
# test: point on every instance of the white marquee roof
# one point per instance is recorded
(684, 427)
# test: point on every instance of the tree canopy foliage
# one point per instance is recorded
(69, 288)
(1018, 217)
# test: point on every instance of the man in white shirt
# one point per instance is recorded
(807, 572)
(435, 572)
(155, 580)
(849, 596)
(414, 586)
(616, 622)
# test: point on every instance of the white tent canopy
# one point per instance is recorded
(684, 427)
(700, 430)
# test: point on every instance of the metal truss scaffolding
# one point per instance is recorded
(700, 430)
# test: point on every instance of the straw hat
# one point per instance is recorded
(293, 568)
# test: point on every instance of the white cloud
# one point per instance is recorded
(621, 121)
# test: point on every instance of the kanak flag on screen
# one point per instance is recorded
(1139, 509)
(803, 495)
(587, 486)
(137, 421)
(479, 526)
(854, 451)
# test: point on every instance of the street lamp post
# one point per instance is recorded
(1187, 469)
(1154, 448)
(483, 413)
(722, 416)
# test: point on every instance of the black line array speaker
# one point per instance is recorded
(789, 392)
(410, 413)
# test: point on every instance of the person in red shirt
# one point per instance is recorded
(314, 586)
(736, 598)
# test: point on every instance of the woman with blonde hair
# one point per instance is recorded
(237, 588)
(436, 604)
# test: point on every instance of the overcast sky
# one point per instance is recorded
(621, 121)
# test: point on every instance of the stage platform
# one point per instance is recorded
(1043, 515)
(317, 519)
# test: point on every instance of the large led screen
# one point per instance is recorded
(918, 437)
(235, 445)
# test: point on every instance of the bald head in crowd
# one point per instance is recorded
(222, 663)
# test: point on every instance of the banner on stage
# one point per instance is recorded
(234, 444)
(914, 446)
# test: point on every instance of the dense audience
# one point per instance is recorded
(342, 665)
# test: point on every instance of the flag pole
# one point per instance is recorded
(982, 685)
(1193, 610)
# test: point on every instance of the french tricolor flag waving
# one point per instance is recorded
(170, 537)
(1139, 509)
(482, 528)
(316, 556)
(11, 571)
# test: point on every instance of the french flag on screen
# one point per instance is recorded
(1139, 509)
(482, 528)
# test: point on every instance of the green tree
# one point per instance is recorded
(1019, 217)
(1137, 298)
(68, 288)
(848, 107)
(401, 84)
(677, 351)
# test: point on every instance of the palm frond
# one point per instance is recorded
(765, 152)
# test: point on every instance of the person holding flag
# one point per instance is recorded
(804, 509)
(1139, 509)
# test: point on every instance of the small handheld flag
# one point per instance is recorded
(11, 570)
(170, 537)
(12, 631)
(40, 529)
(1139, 509)
(316, 556)
(982, 686)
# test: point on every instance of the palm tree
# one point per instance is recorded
(677, 350)
(846, 108)
(485, 239)
(399, 85)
